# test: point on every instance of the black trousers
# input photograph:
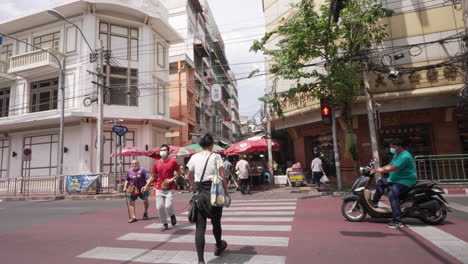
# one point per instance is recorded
(216, 214)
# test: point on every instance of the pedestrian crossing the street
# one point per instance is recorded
(257, 231)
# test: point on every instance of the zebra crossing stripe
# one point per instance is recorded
(175, 257)
(249, 219)
(254, 213)
(265, 200)
(233, 240)
(261, 208)
(263, 204)
(279, 228)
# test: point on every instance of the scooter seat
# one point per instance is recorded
(422, 184)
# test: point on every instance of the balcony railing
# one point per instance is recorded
(34, 60)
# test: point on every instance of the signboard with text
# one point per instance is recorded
(80, 183)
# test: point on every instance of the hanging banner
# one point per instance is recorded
(80, 183)
(216, 92)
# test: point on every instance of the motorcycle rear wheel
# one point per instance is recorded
(436, 219)
(353, 211)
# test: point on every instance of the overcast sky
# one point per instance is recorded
(240, 22)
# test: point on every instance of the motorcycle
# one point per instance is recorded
(423, 201)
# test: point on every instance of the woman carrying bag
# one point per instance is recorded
(203, 168)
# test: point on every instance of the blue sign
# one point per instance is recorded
(80, 183)
(120, 130)
(1, 40)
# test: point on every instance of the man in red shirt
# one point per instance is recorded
(163, 174)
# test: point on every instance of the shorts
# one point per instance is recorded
(233, 177)
(181, 181)
(143, 196)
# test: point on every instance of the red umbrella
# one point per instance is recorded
(248, 146)
(264, 142)
(130, 152)
(174, 151)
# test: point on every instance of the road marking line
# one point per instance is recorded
(175, 257)
(443, 240)
(250, 219)
(263, 204)
(279, 228)
(458, 207)
(264, 200)
(275, 208)
(254, 213)
(233, 240)
(454, 246)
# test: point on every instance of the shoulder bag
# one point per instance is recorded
(193, 204)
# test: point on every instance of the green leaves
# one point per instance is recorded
(309, 37)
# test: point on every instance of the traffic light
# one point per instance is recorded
(326, 111)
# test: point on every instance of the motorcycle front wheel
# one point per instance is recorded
(353, 211)
(437, 218)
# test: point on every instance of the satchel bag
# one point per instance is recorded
(193, 204)
(134, 191)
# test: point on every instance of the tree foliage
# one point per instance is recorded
(321, 56)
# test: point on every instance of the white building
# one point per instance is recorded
(138, 35)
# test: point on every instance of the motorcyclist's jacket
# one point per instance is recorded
(406, 175)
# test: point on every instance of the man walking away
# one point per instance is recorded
(317, 170)
(163, 174)
(228, 172)
(137, 176)
(244, 168)
(402, 177)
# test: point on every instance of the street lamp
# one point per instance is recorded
(100, 118)
(62, 97)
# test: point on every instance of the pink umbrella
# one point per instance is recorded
(130, 152)
(174, 151)
(248, 146)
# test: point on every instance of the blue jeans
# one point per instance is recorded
(393, 195)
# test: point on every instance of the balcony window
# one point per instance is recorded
(43, 95)
(48, 41)
(121, 40)
(123, 83)
(6, 51)
(4, 101)
(160, 55)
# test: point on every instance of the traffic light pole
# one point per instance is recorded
(336, 152)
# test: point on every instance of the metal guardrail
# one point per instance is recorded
(49, 185)
(450, 169)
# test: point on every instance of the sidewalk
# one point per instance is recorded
(259, 192)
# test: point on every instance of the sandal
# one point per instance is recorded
(145, 216)
(133, 220)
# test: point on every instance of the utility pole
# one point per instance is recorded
(370, 118)
(100, 118)
(270, 149)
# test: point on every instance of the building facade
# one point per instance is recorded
(417, 106)
(195, 66)
(137, 36)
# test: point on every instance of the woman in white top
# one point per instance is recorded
(202, 183)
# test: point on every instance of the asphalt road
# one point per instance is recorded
(258, 230)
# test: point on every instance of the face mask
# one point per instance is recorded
(392, 150)
(163, 154)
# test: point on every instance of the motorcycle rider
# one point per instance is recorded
(402, 177)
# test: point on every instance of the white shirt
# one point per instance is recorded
(243, 167)
(316, 165)
(197, 163)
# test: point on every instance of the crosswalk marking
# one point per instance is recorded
(265, 200)
(254, 213)
(279, 228)
(175, 257)
(257, 219)
(459, 207)
(450, 244)
(233, 240)
(263, 203)
(261, 208)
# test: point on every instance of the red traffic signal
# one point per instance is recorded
(326, 112)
